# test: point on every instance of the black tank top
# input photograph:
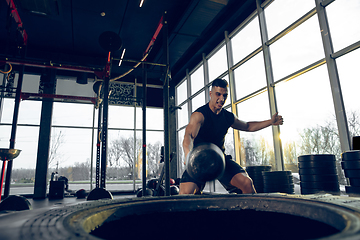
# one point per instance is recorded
(214, 127)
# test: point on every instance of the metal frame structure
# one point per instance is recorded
(279, 161)
(42, 163)
(329, 60)
(334, 78)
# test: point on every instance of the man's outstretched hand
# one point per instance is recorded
(277, 119)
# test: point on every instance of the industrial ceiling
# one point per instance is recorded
(66, 34)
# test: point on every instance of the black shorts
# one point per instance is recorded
(231, 169)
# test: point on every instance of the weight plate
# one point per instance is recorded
(350, 164)
(15, 203)
(318, 171)
(317, 157)
(259, 173)
(319, 178)
(316, 164)
(320, 185)
(259, 168)
(258, 182)
(352, 189)
(282, 184)
(352, 173)
(314, 190)
(354, 182)
(257, 187)
(277, 173)
(255, 175)
(275, 178)
(278, 183)
(305, 191)
(317, 190)
(284, 190)
(259, 190)
(351, 155)
(290, 191)
(282, 181)
(255, 172)
(276, 186)
(280, 188)
(258, 179)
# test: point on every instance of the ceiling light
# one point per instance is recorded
(121, 58)
(141, 3)
(39, 13)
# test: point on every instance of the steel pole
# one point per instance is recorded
(13, 131)
(166, 108)
(144, 133)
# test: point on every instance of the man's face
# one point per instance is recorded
(218, 97)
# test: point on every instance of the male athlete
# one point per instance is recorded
(210, 123)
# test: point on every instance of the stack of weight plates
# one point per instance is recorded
(351, 165)
(278, 181)
(255, 173)
(318, 174)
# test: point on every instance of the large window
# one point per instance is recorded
(308, 112)
(26, 139)
(7, 110)
(256, 147)
(343, 17)
(74, 135)
(197, 80)
(31, 83)
(181, 92)
(198, 101)
(181, 157)
(246, 41)
(72, 114)
(183, 116)
(282, 13)
(249, 80)
(29, 112)
(350, 83)
(298, 49)
(300, 88)
(217, 63)
(71, 88)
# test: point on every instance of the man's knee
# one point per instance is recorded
(188, 188)
(243, 182)
(248, 184)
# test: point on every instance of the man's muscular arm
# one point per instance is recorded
(255, 126)
(191, 131)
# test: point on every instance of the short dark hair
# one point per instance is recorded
(220, 83)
